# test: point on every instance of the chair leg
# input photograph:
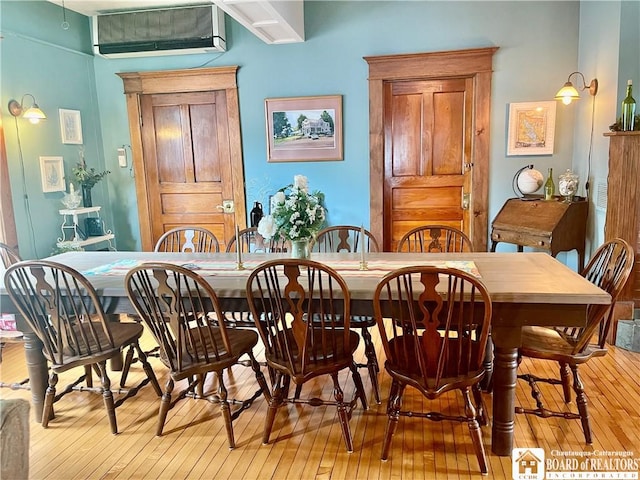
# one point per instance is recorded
(372, 362)
(565, 376)
(48, 400)
(357, 379)
(480, 409)
(343, 415)
(165, 403)
(255, 366)
(474, 430)
(225, 409)
(146, 366)
(88, 376)
(274, 404)
(393, 414)
(107, 396)
(128, 360)
(581, 402)
(487, 382)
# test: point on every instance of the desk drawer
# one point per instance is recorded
(519, 238)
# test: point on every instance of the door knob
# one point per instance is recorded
(226, 207)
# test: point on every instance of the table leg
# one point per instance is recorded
(506, 341)
(38, 372)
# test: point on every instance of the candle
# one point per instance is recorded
(71, 188)
(238, 247)
(363, 240)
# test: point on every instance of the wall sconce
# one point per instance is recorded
(33, 113)
(568, 92)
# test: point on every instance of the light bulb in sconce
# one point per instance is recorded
(568, 92)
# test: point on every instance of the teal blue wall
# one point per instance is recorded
(528, 67)
(539, 47)
(38, 57)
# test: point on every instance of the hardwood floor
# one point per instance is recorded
(306, 442)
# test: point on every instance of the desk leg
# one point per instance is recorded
(38, 372)
(506, 341)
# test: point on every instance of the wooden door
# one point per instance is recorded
(427, 170)
(429, 118)
(187, 154)
(186, 161)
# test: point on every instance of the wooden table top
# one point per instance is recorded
(533, 277)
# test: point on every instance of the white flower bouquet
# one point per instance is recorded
(296, 213)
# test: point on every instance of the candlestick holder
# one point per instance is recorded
(239, 266)
(364, 265)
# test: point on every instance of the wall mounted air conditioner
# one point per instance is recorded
(165, 31)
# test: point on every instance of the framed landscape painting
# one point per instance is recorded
(531, 128)
(303, 129)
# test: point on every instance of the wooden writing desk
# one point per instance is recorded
(554, 226)
(525, 288)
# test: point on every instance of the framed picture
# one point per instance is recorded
(304, 129)
(531, 128)
(52, 172)
(70, 126)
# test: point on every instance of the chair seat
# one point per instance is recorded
(548, 343)
(241, 342)
(402, 347)
(121, 333)
(331, 358)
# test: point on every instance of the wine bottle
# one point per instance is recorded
(628, 110)
(549, 186)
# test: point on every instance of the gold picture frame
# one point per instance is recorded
(531, 128)
(304, 129)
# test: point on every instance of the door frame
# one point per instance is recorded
(182, 81)
(476, 64)
(8, 233)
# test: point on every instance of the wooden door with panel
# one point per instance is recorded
(187, 162)
(427, 168)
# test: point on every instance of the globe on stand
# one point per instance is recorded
(526, 181)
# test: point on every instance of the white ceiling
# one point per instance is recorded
(94, 7)
(273, 21)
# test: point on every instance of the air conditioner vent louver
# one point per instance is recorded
(167, 31)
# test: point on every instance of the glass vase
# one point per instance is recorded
(568, 185)
(300, 249)
(86, 196)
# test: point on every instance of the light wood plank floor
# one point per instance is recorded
(306, 442)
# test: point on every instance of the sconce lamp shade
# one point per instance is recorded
(568, 92)
(34, 114)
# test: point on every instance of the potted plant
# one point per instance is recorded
(87, 178)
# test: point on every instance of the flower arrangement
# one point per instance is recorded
(88, 177)
(296, 213)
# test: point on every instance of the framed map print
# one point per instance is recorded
(531, 128)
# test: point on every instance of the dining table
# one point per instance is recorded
(526, 288)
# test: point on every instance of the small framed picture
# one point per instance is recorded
(531, 128)
(70, 126)
(304, 129)
(52, 172)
